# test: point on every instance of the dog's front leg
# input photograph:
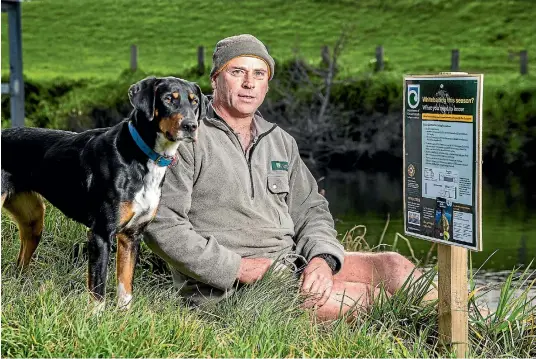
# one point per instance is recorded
(127, 253)
(98, 256)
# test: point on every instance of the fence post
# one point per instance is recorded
(524, 62)
(455, 60)
(324, 54)
(133, 58)
(379, 58)
(200, 60)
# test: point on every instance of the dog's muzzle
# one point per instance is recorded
(189, 129)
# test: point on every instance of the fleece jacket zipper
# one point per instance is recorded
(255, 142)
(248, 161)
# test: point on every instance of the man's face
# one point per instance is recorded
(241, 86)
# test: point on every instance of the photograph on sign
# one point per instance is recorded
(442, 159)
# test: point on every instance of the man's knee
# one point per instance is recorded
(394, 262)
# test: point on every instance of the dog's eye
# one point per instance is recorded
(167, 99)
(193, 98)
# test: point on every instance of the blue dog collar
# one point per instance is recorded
(160, 160)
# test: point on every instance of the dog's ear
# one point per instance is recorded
(142, 96)
(203, 102)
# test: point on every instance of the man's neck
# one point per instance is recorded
(238, 124)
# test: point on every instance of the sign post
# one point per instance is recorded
(453, 316)
(442, 184)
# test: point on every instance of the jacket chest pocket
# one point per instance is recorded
(278, 190)
(278, 185)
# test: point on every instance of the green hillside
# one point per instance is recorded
(91, 39)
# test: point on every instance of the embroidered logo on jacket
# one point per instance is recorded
(279, 166)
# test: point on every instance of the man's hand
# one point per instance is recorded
(253, 269)
(317, 282)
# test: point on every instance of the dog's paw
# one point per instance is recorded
(124, 297)
(124, 302)
(96, 307)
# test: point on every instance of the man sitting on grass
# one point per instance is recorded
(241, 197)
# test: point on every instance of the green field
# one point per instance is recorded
(91, 39)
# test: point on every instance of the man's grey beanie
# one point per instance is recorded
(240, 45)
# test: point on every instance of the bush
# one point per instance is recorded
(372, 103)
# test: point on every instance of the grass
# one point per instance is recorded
(91, 39)
(45, 314)
(514, 322)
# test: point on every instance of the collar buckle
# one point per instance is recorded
(164, 161)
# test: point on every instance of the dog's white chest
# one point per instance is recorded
(147, 198)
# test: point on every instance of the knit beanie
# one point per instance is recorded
(240, 45)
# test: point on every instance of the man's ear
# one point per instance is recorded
(203, 102)
(213, 82)
(142, 96)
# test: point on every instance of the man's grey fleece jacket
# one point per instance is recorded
(220, 204)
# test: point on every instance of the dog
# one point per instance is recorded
(108, 179)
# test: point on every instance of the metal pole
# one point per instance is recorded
(16, 81)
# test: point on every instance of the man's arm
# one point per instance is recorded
(173, 238)
(253, 269)
(315, 235)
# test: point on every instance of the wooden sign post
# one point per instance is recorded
(442, 185)
(453, 317)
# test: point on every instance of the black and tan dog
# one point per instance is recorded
(109, 179)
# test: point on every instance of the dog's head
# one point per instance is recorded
(172, 105)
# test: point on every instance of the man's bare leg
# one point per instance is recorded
(388, 268)
(357, 283)
(346, 296)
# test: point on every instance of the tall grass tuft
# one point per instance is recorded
(510, 330)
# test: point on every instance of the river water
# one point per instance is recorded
(374, 199)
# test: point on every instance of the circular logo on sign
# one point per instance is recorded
(414, 95)
(411, 170)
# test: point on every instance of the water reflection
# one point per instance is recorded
(361, 197)
(509, 226)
